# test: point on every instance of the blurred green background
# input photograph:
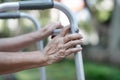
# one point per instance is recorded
(99, 22)
(65, 70)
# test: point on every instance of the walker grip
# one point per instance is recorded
(9, 15)
(34, 5)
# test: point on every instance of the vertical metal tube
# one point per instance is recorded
(74, 28)
(40, 44)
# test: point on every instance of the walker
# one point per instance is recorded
(47, 4)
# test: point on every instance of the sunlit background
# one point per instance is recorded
(99, 23)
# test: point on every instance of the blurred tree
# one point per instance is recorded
(4, 32)
(101, 19)
(114, 35)
(108, 28)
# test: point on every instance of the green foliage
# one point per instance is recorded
(44, 16)
(102, 15)
(101, 72)
(98, 1)
(100, 12)
(4, 32)
(58, 71)
(86, 26)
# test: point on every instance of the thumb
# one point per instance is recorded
(65, 31)
(56, 25)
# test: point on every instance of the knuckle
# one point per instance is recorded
(69, 37)
(73, 50)
(76, 42)
(77, 35)
(71, 43)
(70, 51)
(66, 46)
(60, 46)
(62, 53)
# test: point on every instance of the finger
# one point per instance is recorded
(72, 44)
(51, 27)
(65, 30)
(73, 50)
(58, 25)
(70, 37)
(55, 25)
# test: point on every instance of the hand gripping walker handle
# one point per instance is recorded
(15, 15)
(74, 29)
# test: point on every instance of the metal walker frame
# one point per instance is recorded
(40, 44)
(46, 4)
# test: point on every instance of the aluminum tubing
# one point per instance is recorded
(74, 29)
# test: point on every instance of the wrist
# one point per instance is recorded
(41, 58)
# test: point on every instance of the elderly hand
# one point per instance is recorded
(48, 30)
(62, 46)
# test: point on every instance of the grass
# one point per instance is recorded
(65, 70)
(95, 71)
(58, 71)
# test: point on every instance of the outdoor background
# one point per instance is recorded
(99, 23)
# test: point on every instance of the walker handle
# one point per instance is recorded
(15, 15)
(26, 5)
(34, 5)
(9, 15)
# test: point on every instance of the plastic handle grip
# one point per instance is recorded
(9, 15)
(32, 5)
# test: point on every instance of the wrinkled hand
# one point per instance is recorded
(48, 30)
(62, 46)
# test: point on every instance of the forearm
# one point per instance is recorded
(17, 43)
(14, 62)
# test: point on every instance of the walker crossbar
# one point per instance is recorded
(40, 45)
(69, 14)
(9, 15)
(26, 5)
